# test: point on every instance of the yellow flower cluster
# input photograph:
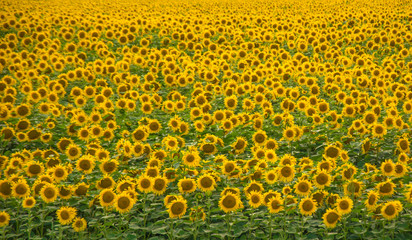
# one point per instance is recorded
(298, 106)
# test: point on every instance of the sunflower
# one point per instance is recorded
(271, 176)
(229, 202)
(33, 168)
(186, 185)
(344, 205)
(177, 208)
(29, 202)
(159, 185)
(255, 199)
(49, 193)
(259, 137)
(105, 183)
(152, 171)
(239, 145)
(229, 167)
(275, 204)
(349, 172)
(206, 182)
(79, 224)
(400, 170)
(4, 219)
(23, 110)
(235, 191)
(170, 174)
(378, 130)
(322, 179)
(388, 168)
(231, 102)
(403, 145)
(326, 165)
(390, 210)
(191, 159)
(331, 218)
(371, 201)
(369, 118)
(386, 188)
(353, 187)
(331, 152)
(107, 197)
(81, 189)
(307, 206)
(58, 173)
(66, 215)
(65, 192)
(85, 164)
(123, 202)
(289, 133)
(20, 189)
(253, 186)
(73, 151)
(154, 126)
(170, 198)
(138, 149)
(286, 173)
(125, 184)
(170, 143)
(208, 148)
(303, 187)
(140, 134)
(64, 143)
(319, 196)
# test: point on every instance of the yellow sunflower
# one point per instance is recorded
(123, 202)
(229, 202)
(307, 206)
(66, 215)
(275, 205)
(344, 205)
(4, 218)
(79, 224)
(330, 218)
(206, 182)
(177, 208)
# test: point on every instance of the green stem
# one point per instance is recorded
(4, 233)
(270, 225)
(208, 213)
(171, 236)
(29, 224)
(344, 228)
(61, 232)
(229, 227)
(284, 234)
(251, 224)
(195, 233)
(144, 214)
(42, 221)
(302, 225)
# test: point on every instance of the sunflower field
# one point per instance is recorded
(205, 119)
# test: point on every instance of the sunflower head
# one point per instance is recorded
(66, 215)
(229, 202)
